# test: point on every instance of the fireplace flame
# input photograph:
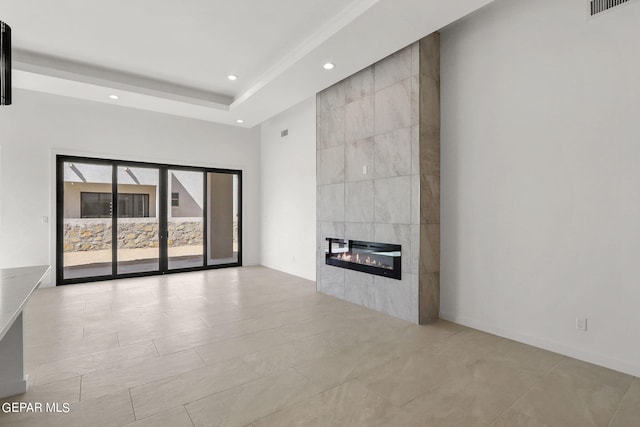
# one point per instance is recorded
(349, 257)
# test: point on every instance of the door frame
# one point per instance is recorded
(162, 214)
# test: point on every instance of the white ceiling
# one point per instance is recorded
(173, 56)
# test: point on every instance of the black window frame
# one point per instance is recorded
(162, 215)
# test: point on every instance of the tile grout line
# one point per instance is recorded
(613, 416)
(133, 410)
(527, 391)
(188, 414)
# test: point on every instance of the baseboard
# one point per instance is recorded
(546, 344)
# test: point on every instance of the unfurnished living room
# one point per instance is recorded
(320, 213)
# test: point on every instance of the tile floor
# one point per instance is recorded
(256, 347)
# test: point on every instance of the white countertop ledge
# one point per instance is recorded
(16, 286)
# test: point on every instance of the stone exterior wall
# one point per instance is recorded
(95, 234)
(378, 178)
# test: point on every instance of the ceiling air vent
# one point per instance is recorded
(599, 6)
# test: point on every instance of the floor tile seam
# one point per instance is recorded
(256, 333)
(70, 357)
(59, 340)
(133, 410)
(165, 379)
(613, 415)
(91, 354)
(284, 408)
(431, 389)
(537, 382)
(148, 382)
(155, 337)
(588, 380)
(377, 366)
(268, 347)
(245, 383)
(188, 415)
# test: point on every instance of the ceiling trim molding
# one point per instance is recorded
(354, 10)
(59, 68)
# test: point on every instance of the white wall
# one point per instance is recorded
(540, 176)
(38, 126)
(289, 191)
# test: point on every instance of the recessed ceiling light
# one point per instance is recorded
(240, 121)
(114, 97)
(328, 66)
(232, 77)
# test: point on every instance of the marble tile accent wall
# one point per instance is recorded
(378, 178)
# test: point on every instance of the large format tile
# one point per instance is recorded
(42, 353)
(331, 280)
(359, 116)
(330, 165)
(176, 417)
(359, 231)
(359, 85)
(359, 199)
(331, 202)
(394, 68)
(331, 128)
(393, 107)
(359, 160)
(628, 413)
(242, 405)
(159, 329)
(358, 288)
(153, 398)
(393, 153)
(349, 363)
(145, 371)
(284, 356)
(281, 354)
(393, 200)
(394, 297)
(472, 396)
(331, 98)
(575, 394)
(403, 379)
(234, 347)
(349, 404)
(81, 365)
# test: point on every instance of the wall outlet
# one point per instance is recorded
(365, 170)
(581, 324)
(45, 220)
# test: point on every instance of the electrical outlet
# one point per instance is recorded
(365, 170)
(581, 324)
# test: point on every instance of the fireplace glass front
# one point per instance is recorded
(382, 259)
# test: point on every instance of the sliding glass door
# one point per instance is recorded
(222, 218)
(186, 224)
(138, 225)
(84, 247)
(162, 219)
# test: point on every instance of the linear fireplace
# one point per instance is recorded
(382, 259)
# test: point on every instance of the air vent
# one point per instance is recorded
(284, 133)
(599, 6)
